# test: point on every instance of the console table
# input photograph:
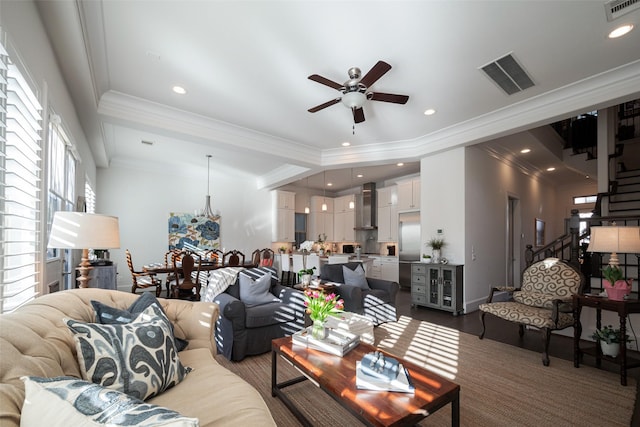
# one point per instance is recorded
(623, 308)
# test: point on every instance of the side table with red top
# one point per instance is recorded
(623, 308)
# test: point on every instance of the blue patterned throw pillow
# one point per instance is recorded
(138, 358)
(68, 401)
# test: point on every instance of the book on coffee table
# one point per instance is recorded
(338, 342)
(401, 383)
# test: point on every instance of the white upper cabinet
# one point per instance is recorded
(387, 196)
(409, 195)
(283, 216)
(286, 200)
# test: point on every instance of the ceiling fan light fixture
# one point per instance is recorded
(353, 100)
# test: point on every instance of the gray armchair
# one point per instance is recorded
(378, 303)
(244, 330)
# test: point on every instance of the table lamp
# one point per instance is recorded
(79, 230)
(614, 239)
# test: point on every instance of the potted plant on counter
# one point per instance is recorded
(614, 283)
(305, 276)
(436, 245)
(610, 339)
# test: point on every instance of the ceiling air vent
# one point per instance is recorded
(616, 8)
(508, 74)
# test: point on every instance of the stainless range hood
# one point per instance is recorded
(369, 208)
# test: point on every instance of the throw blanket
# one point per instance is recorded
(219, 281)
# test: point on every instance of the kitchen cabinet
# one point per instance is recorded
(409, 195)
(388, 224)
(344, 219)
(437, 286)
(384, 267)
(387, 196)
(387, 214)
(283, 208)
(321, 222)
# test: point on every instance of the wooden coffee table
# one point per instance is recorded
(336, 376)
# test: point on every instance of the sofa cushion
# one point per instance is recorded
(108, 315)
(138, 358)
(68, 401)
(256, 292)
(355, 277)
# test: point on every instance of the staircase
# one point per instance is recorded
(624, 200)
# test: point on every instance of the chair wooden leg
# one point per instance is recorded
(133, 289)
(546, 337)
(482, 313)
(521, 330)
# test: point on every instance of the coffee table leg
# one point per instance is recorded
(274, 373)
(455, 411)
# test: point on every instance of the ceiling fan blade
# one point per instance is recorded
(325, 81)
(375, 73)
(388, 97)
(325, 105)
(358, 115)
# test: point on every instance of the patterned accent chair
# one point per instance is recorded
(543, 301)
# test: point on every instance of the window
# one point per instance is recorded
(62, 173)
(581, 200)
(20, 180)
(300, 228)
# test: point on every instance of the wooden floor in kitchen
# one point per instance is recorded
(505, 332)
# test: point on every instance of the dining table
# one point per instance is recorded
(162, 268)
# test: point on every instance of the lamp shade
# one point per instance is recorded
(79, 230)
(615, 239)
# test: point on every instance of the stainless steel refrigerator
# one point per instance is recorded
(409, 244)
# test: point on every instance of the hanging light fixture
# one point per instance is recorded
(324, 191)
(306, 208)
(352, 203)
(207, 211)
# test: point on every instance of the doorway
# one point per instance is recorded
(513, 241)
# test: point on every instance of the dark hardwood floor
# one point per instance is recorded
(506, 332)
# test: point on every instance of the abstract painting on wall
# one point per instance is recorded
(190, 231)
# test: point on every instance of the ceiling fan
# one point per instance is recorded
(355, 90)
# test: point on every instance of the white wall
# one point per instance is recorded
(142, 198)
(442, 202)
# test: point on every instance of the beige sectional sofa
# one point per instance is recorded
(34, 341)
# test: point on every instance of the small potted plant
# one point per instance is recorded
(282, 249)
(614, 283)
(426, 258)
(436, 244)
(305, 275)
(610, 339)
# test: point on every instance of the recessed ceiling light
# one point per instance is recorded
(525, 150)
(400, 164)
(329, 184)
(346, 144)
(429, 112)
(620, 31)
(359, 175)
(551, 169)
(179, 90)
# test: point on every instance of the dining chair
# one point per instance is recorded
(168, 263)
(214, 256)
(266, 257)
(255, 257)
(142, 279)
(186, 285)
(233, 258)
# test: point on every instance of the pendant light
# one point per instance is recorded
(306, 208)
(352, 203)
(207, 211)
(324, 191)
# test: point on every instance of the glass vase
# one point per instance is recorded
(318, 330)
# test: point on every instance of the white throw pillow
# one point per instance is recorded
(138, 358)
(355, 277)
(256, 292)
(68, 401)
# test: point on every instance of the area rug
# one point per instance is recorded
(500, 385)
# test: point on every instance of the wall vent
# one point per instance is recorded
(616, 8)
(508, 74)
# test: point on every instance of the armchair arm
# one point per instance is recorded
(564, 305)
(352, 296)
(294, 298)
(232, 309)
(386, 285)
